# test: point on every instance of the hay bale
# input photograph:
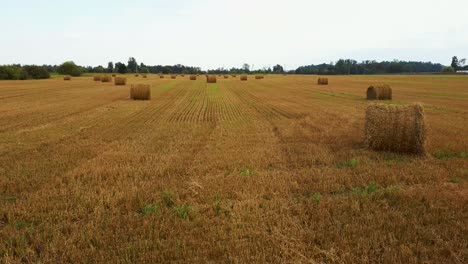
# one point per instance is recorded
(173, 76)
(161, 76)
(234, 76)
(322, 81)
(243, 78)
(67, 78)
(97, 78)
(183, 75)
(140, 92)
(144, 76)
(259, 77)
(136, 75)
(395, 128)
(120, 81)
(193, 77)
(106, 79)
(211, 79)
(379, 92)
(226, 77)
(113, 75)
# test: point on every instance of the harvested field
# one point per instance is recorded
(271, 171)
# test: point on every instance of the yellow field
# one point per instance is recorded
(270, 170)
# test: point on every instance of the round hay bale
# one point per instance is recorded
(183, 75)
(144, 76)
(211, 79)
(106, 79)
(234, 76)
(161, 76)
(136, 75)
(113, 75)
(243, 78)
(322, 81)
(97, 78)
(120, 81)
(395, 128)
(173, 76)
(259, 77)
(67, 78)
(379, 92)
(226, 77)
(140, 92)
(193, 77)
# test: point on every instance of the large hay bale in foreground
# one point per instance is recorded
(379, 92)
(120, 81)
(140, 92)
(193, 77)
(259, 77)
(322, 81)
(243, 78)
(211, 79)
(97, 78)
(106, 79)
(67, 78)
(395, 128)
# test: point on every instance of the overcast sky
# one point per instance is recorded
(227, 33)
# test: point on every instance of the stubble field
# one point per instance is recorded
(270, 170)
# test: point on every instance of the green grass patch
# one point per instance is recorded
(447, 154)
(348, 164)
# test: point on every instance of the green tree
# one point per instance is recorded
(448, 69)
(110, 67)
(454, 62)
(69, 68)
(132, 65)
(278, 69)
(121, 68)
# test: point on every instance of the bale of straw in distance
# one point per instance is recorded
(211, 79)
(243, 78)
(161, 76)
(322, 81)
(136, 75)
(226, 77)
(259, 77)
(120, 81)
(113, 75)
(106, 79)
(140, 92)
(395, 128)
(379, 92)
(144, 76)
(183, 75)
(97, 78)
(173, 76)
(234, 76)
(67, 78)
(193, 77)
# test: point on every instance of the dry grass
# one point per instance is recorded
(396, 128)
(97, 78)
(67, 78)
(322, 81)
(379, 92)
(243, 78)
(273, 171)
(140, 92)
(120, 81)
(211, 79)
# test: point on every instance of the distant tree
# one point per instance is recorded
(120, 67)
(246, 67)
(69, 68)
(448, 69)
(454, 62)
(278, 69)
(36, 72)
(461, 62)
(110, 67)
(132, 65)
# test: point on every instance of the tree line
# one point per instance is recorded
(341, 67)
